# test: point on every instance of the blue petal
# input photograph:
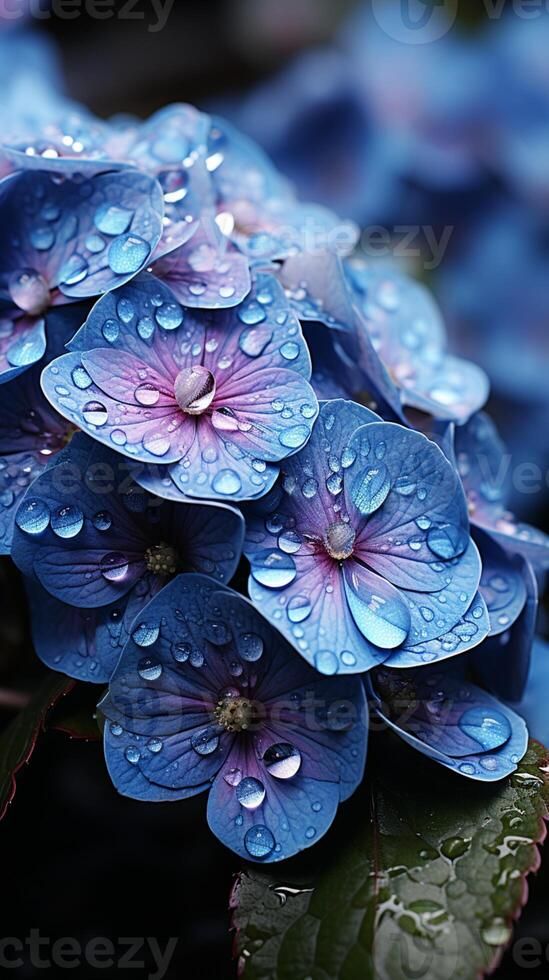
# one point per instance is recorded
(503, 661)
(452, 722)
(102, 232)
(469, 631)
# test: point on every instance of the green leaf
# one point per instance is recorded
(18, 740)
(76, 715)
(422, 876)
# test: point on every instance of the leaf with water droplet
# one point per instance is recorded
(428, 885)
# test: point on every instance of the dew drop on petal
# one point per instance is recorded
(259, 841)
(250, 647)
(145, 634)
(250, 793)
(148, 668)
(205, 742)
(227, 482)
(127, 254)
(67, 521)
(282, 760)
(447, 541)
(114, 566)
(273, 569)
(112, 220)
(95, 413)
(33, 516)
(298, 608)
(487, 726)
(295, 437)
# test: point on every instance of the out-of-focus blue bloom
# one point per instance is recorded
(392, 329)
(97, 541)
(217, 397)
(394, 112)
(451, 721)
(208, 696)
(361, 552)
(484, 466)
(62, 240)
(533, 705)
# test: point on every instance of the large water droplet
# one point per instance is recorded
(487, 726)
(127, 254)
(194, 389)
(227, 482)
(377, 609)
(295, 437)
(254, 340)
(74, 270)
(259, 841)
(298, 609)
(370, 488)
(273, 569)
(114, 566)
(250, 793)
(145, 634)
(149, 669)
(95, 413)
(33, 516)
(282, 760)
(169, 316)
(250, 647)
(205, 742)
(112, 220)
(67, 521)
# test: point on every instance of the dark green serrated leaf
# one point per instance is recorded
(421, 877)
(18, 740)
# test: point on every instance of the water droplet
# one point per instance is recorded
(147, 394)
(133, 755)
(112, 220)
(42, 238)
(156, 443)
(81, 378)
(370, 489)
(252, 313)
(111, 331)
(298, 609)
(227, 482)
(155, 745)
(282, 760)
(169, 316)
(326, 662)
(148, 668)
(250, 793)
(145, 327)
(73, 271)
(127, 254)
(194, 389)
(250, 647)
(205, 742)
(102, 521)
(289, 542)
(486, 726)
(273, 569)
(114, 566)
(254, 340)
(33, 516)
(310, 833)
(145, 634)
(497, 933)
(181, 652)
(259, 841)
(295, 437)
(232, 777)
(290, 350)
(67, 521)
(95, 413)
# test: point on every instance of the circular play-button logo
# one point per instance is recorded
(415, 21)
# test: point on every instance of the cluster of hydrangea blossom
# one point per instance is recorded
(197, 371)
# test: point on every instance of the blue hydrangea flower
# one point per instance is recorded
(533, 704)
(95, 540)
(390, 326)
(482, 462)
(361, 553)
(61, 240)
(208, 696)
(217, 397)
(441, 714)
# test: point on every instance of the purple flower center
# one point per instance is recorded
(29, 291)
(194, 390)
(238, 713)
(162, 559)
(339, 540)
